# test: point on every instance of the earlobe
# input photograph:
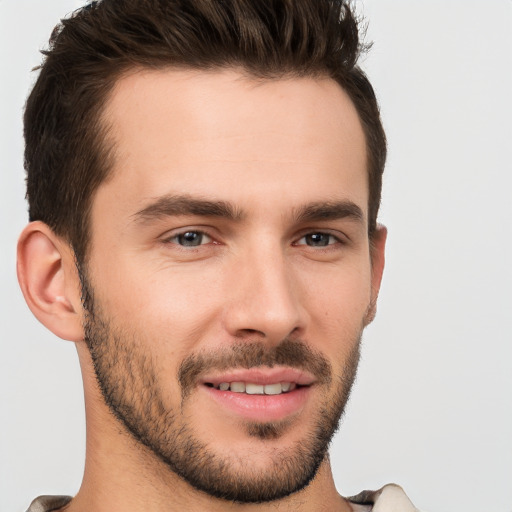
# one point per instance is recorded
(377, 255)
(49, 281)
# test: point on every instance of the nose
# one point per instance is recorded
(264, 298)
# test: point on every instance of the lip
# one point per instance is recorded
(260, 408)
(261, 376)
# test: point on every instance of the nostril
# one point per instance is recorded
(242, 333)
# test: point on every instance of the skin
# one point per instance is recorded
(269, 149)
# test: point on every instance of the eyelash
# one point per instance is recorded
(330, 237)
(333, 240)
(176, 236)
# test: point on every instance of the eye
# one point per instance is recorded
(318, 240)
(190, 239)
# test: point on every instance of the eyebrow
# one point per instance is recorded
(173, 205)
(329, 210)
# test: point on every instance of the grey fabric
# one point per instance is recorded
(48, 503)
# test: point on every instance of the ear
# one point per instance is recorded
(377, 255)
(49, 280)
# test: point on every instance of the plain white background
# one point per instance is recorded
(432, 407)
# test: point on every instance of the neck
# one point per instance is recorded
(121, 488)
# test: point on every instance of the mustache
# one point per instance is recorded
(293, 353)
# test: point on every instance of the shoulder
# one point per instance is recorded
(390, 498)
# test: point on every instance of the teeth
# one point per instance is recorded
(254, 389)
(273, 389)
(238, 387)
(257, 389)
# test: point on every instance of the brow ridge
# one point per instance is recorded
(329, 210)
(174, 205)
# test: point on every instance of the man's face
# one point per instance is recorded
(230, 273)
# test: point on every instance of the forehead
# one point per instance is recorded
(236, 138)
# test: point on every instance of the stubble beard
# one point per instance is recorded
(128, 380)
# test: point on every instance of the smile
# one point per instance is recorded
(259, 394)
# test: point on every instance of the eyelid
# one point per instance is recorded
(339, 237)
(169, 236)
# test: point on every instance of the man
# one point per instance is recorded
(203, 182)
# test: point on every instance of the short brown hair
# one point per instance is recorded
(67, 155)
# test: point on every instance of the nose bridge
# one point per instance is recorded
(265, 296)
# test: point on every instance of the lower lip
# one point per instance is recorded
(261, 408)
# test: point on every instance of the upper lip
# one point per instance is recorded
(261, 375)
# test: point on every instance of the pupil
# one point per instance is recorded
(191, 238)
(319, 239)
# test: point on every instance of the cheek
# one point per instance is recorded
(338, 303)
(170, 307)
